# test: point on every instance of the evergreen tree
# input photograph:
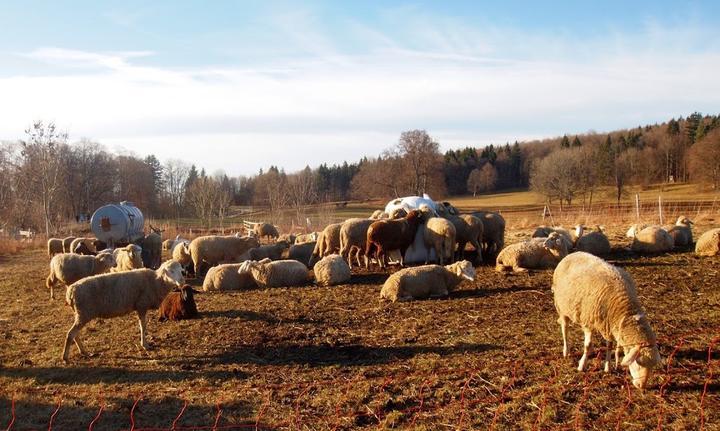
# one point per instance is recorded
(691, 125)
(565, 142)
(192, 177)
(576, 142)
(157, 172)
(673, 127)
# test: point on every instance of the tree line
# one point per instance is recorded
(46, 180)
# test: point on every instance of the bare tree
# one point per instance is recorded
(705, 159)
(302, 190)
(557, 176)
(422, 156)
(483, 179)
(202, 196)
(176, 174)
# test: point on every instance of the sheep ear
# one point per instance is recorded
(630, 356)
(183, 294)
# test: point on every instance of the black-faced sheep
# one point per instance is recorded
(708, 244)
(67, 268)
(331, 270)
(536, 253)
(278, 273)
(426, 281)
(84, 246)
(384, 236)
(179, 305)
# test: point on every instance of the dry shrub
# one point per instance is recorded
(10, 246)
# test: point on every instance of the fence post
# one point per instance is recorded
(660, 208)
(637, 207)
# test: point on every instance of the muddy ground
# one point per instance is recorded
(489, 356)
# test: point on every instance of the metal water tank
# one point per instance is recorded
(117, 223)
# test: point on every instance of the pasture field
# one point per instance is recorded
(337, 358)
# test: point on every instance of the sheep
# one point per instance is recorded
(278, 273)
(265, 230)
(167, 244)
(213, 249)
(634, 229)
(67, 242)
(681, 232)
(88, 248)
(601, 297)
(652, 239)
(493, 231)
(709, 243)
(328, 242)
(127, 258)
(152, 250)
(569, 237)
(288, 238)
(386, 235)
(301, 252)
(331, 270)
(379, 215)
(353, 238)
(306, 237)
(536, 253)
(67, 268)
(426, 281)
(179, 305)
(468, 228)
(595, 242)
(439, 235)
(54, 246)
(227, 277)
(118, 294)
(271, 251)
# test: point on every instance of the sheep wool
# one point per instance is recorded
(331, 270)
(708, 244)
(278, 273)
(652, 239)
(54, 246)
(469, 229)
(128, 258)
(226, 277)
(681, 232)
(536, 253)
(426, 281)
(439, 235)
(353, 238)
(67, 268)
(493, 231)
(213, 249)
(594, 243)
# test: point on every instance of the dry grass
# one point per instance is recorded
(339, 358)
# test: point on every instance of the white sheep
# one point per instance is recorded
(439, 235)
(353, 238)
(328, 242)
(67, 268)
(600, 297)
(306, 237)
(54, 246)
(708, 244)
(227, 277)
(426, 281)
(652, 239)
(331, 270)
(469, 229)
(536, 253)
(595, 242)
(493, 231)
(681, 232)
(127, 258)
(118, 294)
(569, 237)
(214, 249)
(278, 273)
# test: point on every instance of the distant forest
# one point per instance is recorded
(45, 180)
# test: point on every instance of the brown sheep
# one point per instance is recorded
(265, 230)
(179, 305)
(67, 242)
(384, 236)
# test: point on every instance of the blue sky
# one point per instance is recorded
(240, 85)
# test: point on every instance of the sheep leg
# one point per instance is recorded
(563, 321)
(617, 356)
(586, 349)
(81, 346)
(607, 356)
(71, 336)
(50, 282)
(142, 319)
(357, 256)
(478, 248)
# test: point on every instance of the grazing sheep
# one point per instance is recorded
(278, 273)
(709, 243)
(387, 235)
(179, 305)
(226, 277)
(213, 249)
(439, 235)
(331, 270)
(469, 229)
(127, 258)
(600, 297)
(152, 250)
(426, 281)
(493, 231)
(536, 253)
(67, 242)
(262, 230)
(307, 237)
(301, 252)
(328, 242)
(87, 248)
(353, 238)
(270, 251)
(652, 239)
(595, 242)
(681, 232)
(54, 246)
(118, 294)
(67, 268)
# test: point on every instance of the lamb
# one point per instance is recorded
(226, 277)
(709, 243)
(54, 246)
(88, 246)
(118, 294)
(493, 231)
(127, 258)
(469, 228)
(439, 235)
(594, 243)
(213, 249)
(600, 297)
(301, 252)
(67, 268)
(278, 273)
(426, 281)
(331, 270)
(67, 242)
(387, 235)
(328, 242)
(652, 239)
(536, 253)
(681, 232)
(265, 230)
(179, 305)
(353, 238)
(270, 251)
(152, 250)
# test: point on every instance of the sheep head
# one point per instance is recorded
(462, 269)
(171, 272)
(683, 221)
(106, 259)
(555, 243)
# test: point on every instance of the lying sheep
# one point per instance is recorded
(681, 232)
(127, 258)
(469, 229)
(213, 249)
(54, 246)
(569, 237)
(634, 229)
(67, 268)
(270, 251)
(439, 235)
(301, 252)
(179, 305)
(493, 231)
(600, 297)
(67, 242)
(652, 239)
(84, 246)
(353, 238)
(536, 253)
(278, 273)
(426, 281)
(595, 242)
(113, 295)
(384, 236)
(227, 277)
(328, 242)
(307, 237)
(288, 238)
(331, 270)
(709, 243)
